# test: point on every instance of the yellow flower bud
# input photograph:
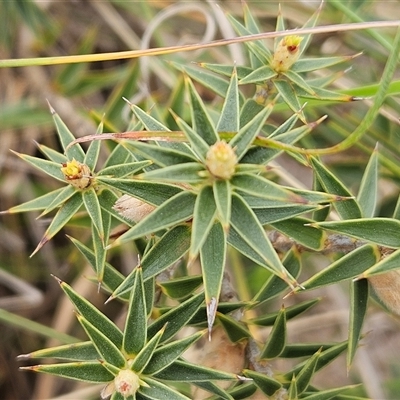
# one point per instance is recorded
(77, 174)
(287, 53)
(221, 160)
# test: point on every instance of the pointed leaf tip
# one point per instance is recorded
(211, 312)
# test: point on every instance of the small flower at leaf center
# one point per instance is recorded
(221, 160)
(126, 383)
(77, 174)
(286, 53)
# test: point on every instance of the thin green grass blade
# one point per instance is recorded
(135, 333)
(203, 219)
(359, 294)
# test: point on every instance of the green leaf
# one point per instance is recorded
(368, 193)
(158, 391)
(187, 173)
(64, 195)
(312, 64)
(330, 393)
(222, 197)
(346, 209)
(167, 354)
(235, 330)
(324, 359)
(297, 350)
(300, 82)
(226, 69)
(358, 308)
(275, 285)
(80, 371)
(258, 186)
(169, 249)
(162, 156)
(212, 256)
(175, 210)
(259, 75)
(347, 267)
(64, 214)
(207, 79)
(83, 351)
(203, 219)
(177, 317)
(93, 208)
(265, 383)
(150, 192)
(247, 225)
(229, 117)
(297, 229)
(51, 154)
(290, 97)
(93, 151)
(93, 315)
(66, 137)
(305, 375)
(108, 351)
(276, 341)
(38, 203)
(382, 231)
(183, 371)
(291, 312)
(244, 138)
(273, 215)
(146, 353)
(201, 121)
(48, 167)
(135, 333)
(147, 120)
(388, 263)
(180, 288)
(125, 169)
